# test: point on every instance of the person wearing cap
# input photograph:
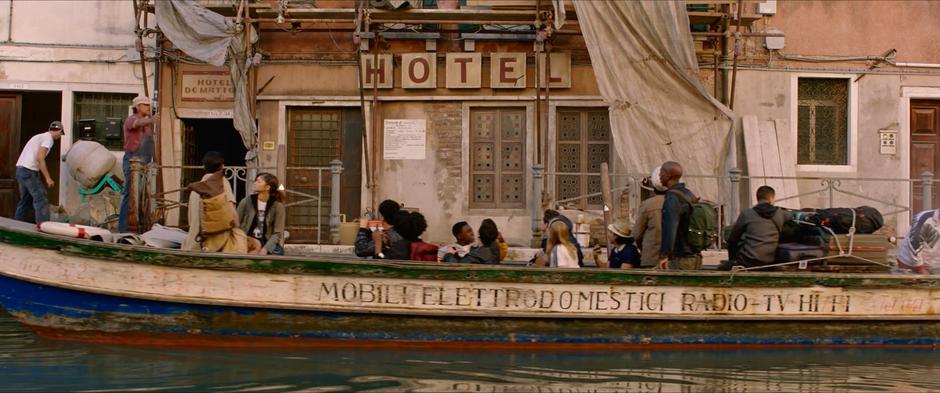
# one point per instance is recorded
(647, 230)
(622, 253)
(33, 175)
(138, 142)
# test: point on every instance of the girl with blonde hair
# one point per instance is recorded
(562, 253)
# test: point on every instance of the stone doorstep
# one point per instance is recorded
(709, 257)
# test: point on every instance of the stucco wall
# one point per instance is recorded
(69, 46)
(771, 95)
(852, 28)
(70, 22)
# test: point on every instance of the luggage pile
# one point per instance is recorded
(819, 235)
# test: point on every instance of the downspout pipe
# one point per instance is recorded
(10, 23)
(918, 65)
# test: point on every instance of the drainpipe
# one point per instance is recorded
(918, 65)
(10, 23)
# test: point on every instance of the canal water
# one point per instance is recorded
(28, 363)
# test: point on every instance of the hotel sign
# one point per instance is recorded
(206, 86)
(463, 71)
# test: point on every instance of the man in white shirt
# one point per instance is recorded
(29, 167)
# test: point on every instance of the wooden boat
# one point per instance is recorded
(85, 290)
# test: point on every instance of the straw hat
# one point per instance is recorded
(621, 227)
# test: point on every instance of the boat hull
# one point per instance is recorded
(83, 290)
(75, 315)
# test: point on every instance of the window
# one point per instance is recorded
(497, 158)
(583, 144)
(108, 110)
(822, 121)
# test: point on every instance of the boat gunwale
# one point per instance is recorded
(332, 265)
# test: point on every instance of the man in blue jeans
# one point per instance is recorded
(138, 142)
(33, 175)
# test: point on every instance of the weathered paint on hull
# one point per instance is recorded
(75, 315)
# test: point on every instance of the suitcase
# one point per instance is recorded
(789, 252)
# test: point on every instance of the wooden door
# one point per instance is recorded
(315, 138)
(10, 148)
(925, 148)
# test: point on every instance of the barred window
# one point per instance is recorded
(108, 110)
(582, 145)
(822, 121)
(497, 158)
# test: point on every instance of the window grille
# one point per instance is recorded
(101, 107)
(583, 144)
(822, 121)
(497, 158)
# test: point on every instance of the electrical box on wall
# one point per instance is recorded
(774, 42)
(768, 7)
(889, 141)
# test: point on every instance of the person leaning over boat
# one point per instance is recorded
(213, 221)
(30, 165)
(756, 233)
(391, 245)
(675, 251)
(647, 230)
(486, 251)
(262, 215)
(561, 250)
(920, 250)
(138, 142)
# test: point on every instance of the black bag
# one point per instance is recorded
(867, 219)
(790, 252)
(791, 232)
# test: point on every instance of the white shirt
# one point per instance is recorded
(563, 257)
(28, 157)
(262, 209)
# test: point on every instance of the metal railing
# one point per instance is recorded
(241, 178)
(831, 190)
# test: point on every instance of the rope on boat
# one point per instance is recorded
(842, 253)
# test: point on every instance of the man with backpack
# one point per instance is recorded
(756, 233)
(688, 226)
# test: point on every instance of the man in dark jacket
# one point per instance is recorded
(675, 252)
(754, 237)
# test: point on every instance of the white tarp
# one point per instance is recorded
(213, 38)
(645, 66)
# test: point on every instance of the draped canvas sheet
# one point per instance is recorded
(213, 38)
(645, 66)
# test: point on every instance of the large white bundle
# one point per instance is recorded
(88, 162)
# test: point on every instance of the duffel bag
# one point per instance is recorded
(790, 252)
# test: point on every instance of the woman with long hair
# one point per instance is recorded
(561, 252)
(263, 216)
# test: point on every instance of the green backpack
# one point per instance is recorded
(703, 223)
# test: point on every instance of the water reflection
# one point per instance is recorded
(31, 364)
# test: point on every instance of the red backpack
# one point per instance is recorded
(425, 252)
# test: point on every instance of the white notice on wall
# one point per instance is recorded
(405, 139)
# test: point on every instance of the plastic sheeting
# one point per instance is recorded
(213, 38)
(645, 66)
